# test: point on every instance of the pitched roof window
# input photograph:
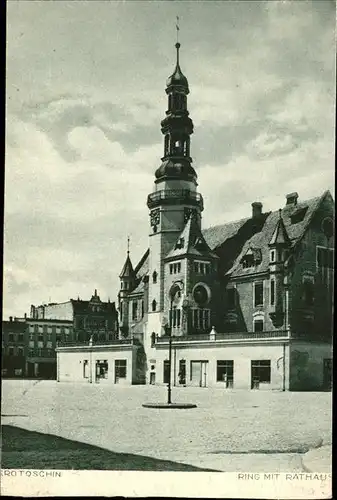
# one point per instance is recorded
(299, 215)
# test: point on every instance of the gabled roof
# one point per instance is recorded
(280, 235)
(261, 239)
(191, 242)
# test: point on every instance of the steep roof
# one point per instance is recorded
(191, 242)
(141, 271)
(295, 228)
(217, 235)
(127, 271)
(280, 235)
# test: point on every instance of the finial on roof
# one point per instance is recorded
(177, 44)
(95, 292)
(128, 246)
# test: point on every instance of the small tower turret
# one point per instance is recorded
(278, 252)
(127, 279)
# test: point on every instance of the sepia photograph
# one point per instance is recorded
(169, 240)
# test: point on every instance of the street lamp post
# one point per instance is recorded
(90, 360)
(170, 355)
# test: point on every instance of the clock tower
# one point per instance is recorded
(174, 198)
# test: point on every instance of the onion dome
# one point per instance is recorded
(177, 79)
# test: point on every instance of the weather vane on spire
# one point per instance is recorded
(177, 27)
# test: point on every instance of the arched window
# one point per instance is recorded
(154, 305)
(154, 276)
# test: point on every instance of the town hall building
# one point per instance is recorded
(246, 305)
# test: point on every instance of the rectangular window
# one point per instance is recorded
(225, 372)
(134, 310)
(31, 336)
(231, 302)
(85, 368)
(182, 372)
(21, 337)
(39, 352)
(258, 325)
(11, 337)
(272, 292)
(258, 294)
(260, 372)
(20, 351)
(308, 293)
(40, 328)
(207, 318)
(49, 337)
(31, 353)
(272, 256)
(175, 317)
(40, 337)
(325, 258)
(120, 369)
(102, 369)
(196, 267)
(166, 373)
(171, 268)
(11, 351)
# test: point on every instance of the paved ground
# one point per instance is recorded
(228, 431)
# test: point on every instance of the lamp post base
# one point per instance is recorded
(176, 406)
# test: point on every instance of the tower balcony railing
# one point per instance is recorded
(175, 197)
(230, 336)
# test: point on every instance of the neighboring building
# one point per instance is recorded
(265, 283)
(90, 318)
(29, 344)
(13, 348)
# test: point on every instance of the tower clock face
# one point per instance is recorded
(155, 217)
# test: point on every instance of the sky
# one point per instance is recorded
(85, 95)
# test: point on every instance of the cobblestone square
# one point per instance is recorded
(228, 431)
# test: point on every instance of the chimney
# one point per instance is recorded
(25, 315)
(256, 209)
(11, 318)
(292, 198)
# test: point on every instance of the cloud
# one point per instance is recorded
(85, 97)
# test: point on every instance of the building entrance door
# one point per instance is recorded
(327, 374)
(199, 372)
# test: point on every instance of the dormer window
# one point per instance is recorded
(154, 305)
(154, 277)
(248, 261)
(180, 244)
(299, 215)
(252, 258)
